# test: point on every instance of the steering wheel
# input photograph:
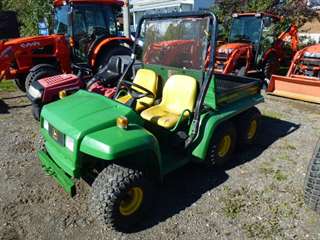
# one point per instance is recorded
(135, 93)
(98, 31)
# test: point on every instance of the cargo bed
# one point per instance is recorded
(232, 88)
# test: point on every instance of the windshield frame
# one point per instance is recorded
(175, 36)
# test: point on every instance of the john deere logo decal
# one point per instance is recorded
(55, 134)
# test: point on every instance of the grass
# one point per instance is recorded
(267, 170)
(7, 86)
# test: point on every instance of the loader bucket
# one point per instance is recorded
(296, 87)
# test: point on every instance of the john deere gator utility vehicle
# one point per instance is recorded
(174, 112)
(256, 45)
(84, 31)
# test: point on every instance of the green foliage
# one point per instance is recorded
(29, 13)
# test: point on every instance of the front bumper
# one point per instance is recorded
(52, 169)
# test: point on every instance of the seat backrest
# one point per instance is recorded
(179, 94)
(147, 79)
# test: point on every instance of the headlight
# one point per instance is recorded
(35, 93)
(69, 143)
(229, 51)
(46, 125)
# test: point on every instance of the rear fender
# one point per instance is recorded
(109, 42)
(211, 120)
(135, 146)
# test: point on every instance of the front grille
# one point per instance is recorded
(221, 56)
(56, 135)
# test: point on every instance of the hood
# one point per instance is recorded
(32, 40)
(312, 51)
(230, 47)
(83, 112)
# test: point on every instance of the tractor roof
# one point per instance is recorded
(257, 14)
(107, 2)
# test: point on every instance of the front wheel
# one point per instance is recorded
(271, 67)
(120, 197)
(40, 73)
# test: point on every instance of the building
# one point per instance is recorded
(315, 4)
(142, 7)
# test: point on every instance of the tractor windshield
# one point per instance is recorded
(179, 43)
(246, 29)
(61, 20)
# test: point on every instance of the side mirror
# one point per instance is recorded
(43, 27)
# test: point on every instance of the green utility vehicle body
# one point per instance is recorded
(83, 126)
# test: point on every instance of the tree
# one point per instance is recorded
(293, 10)
(30, 12)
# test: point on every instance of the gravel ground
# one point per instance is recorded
(260, 197)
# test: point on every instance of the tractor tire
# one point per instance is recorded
(312, 181)
(40, 73)
(120, 197)
(20, 83)
(36, 111)
(105, 56)
(271, 67)
(248, 124)
(222, 145)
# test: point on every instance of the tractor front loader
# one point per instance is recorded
(303, 79)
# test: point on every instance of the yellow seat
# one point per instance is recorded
(179, 94)
(145, 78)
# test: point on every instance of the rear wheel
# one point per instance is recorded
(248, 125)
(40, 73)
(120, 197)
(222, 145)
(312, 182)
(105, 56)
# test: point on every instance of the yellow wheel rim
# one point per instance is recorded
(252, 129)
(224, 146)
(132, 202)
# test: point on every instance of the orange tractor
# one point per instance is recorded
(84, 32)
(303, 79)
(255, 46)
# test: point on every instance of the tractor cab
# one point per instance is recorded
(258, 30)
(85, 24)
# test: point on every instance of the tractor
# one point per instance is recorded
(175, 111)
(255, 47)
(84, 32)
(302, 81)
